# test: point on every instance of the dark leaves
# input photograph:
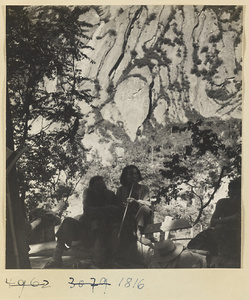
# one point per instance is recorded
(47, 41)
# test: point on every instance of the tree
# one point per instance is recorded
(45, 44)
(203, 165)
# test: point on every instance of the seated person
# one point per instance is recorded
(103, 216)
(138, 197)
(226, 221)
(205, 242)
(97, 227)
(171, 255)
(42, 222)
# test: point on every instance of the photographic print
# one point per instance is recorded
(123, 137)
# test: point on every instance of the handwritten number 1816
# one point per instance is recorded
(130, 283)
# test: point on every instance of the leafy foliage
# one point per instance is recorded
(181, 164)
(200, 169)
(44, 45)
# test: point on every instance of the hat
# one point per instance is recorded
(166, 251)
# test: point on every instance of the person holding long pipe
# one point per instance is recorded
(136, 199)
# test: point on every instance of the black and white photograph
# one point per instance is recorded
(124, 137)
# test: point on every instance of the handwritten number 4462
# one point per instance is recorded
(129, 282)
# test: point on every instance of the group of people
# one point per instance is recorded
(220, 243)
(109, 220)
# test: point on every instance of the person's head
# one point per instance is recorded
(234, 189)
(130, 174)
(97, 184)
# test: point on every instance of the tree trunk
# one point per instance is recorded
(16, 228)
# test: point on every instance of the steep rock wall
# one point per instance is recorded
(158, 65)
(158, 62)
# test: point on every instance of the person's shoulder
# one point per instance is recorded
(109, 192)
(144, 187)
(121, 189)
(86, 190)
(222, 201)
(189, 259)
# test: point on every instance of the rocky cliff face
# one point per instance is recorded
(162, 64)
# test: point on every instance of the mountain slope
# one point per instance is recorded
(160, 64)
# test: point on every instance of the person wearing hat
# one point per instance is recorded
(170, 255)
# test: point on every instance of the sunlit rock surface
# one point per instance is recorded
(162, 64)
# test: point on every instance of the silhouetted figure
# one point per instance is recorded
(226, 221)
(138, 197)
(97, 227)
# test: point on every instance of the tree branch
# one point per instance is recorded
(211, 197)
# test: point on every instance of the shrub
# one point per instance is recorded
(112, 32)
(97, 85)
(215, 38)
(177, 41)
(120, 11)
(204, 49)
(237, 41)
(219, 94)
(151, 17)
(168, 42)
(110, 89)
(133, 53)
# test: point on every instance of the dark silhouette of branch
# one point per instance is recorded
(203, 206)
(192, 190)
